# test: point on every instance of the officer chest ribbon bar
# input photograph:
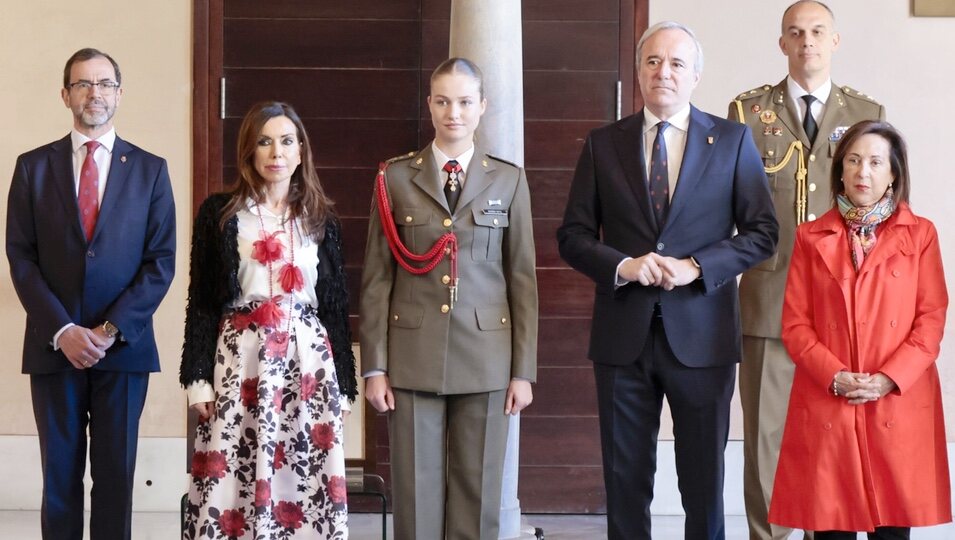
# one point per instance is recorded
(446, 245)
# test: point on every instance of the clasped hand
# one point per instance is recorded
(859, 388)
(659, 271)
(84, 347)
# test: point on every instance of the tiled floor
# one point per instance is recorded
(165, 526)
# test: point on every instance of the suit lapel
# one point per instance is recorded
(478, 178)
(696, 155)
(789, 114)
(61, 163)
(427, 177)
(835, 114)
(628, 141)
(118, 173)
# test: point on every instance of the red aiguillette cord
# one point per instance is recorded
(402, 254)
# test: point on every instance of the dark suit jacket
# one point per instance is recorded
(721, 213)
(120, 276)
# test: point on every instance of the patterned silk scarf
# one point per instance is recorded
(862, 222)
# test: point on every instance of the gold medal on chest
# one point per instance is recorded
(767, 117)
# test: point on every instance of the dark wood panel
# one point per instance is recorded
(555, 144)
(350, 188)
(344, 142)
(569, 45)
(563, 342)
(545, 242)
(376, 44)
(570, 95)
(549, 189)
(564, 391)
(564, 292)
(326, 93)
(572, 490)
(302, 9)
(557, 441)
(435, 9)
(435, 43)
(354, 235)
(571, 10)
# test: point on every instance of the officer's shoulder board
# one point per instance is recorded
(502, 160)
(759, 91)
(852, 93)
(402, 157)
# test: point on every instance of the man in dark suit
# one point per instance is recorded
(666, 208)
(91, 241)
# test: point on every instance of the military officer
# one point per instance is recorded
(449, 316)
(797, 147)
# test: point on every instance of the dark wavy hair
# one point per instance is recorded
(898, 157)
(306, 198)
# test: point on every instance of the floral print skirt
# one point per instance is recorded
(269, 464)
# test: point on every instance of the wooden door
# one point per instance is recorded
(357, 72)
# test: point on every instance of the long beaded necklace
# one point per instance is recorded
(266, 250)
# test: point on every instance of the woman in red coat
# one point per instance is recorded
(864, 447)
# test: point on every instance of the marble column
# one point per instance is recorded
(488, 32)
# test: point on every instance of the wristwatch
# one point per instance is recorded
(109, 329)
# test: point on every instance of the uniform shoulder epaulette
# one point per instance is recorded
(402, 157)
(502, 160)
(756, 92)
(858, 94)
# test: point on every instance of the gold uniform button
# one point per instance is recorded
(395, 316)
(503, 320)
(408, 219)
(447, 251)
(496, 222)
(445, 308)
(812, 157)
(445, 279)
(771, 153)
(812, 187)
(812, 217)
(446, 222)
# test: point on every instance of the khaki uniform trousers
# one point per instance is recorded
(447, 461)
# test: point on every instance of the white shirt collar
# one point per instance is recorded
(680, 120)
(797, 92)
(107, 139)
(440, 158)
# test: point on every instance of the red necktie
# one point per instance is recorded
(88, 197)
(452, 188)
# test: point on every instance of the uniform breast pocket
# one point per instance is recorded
(409, 222)
(489, 227)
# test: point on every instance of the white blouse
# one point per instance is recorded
(254, 276)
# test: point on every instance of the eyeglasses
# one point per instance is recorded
(106, 88)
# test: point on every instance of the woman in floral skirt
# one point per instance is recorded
(267, 359)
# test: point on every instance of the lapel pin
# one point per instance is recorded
(709, 140)
(778, 131)
(756, 108)
(767, 130)
(484, 162)
(418, 161)
(122, 159)
(768, 116)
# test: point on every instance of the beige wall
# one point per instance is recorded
(152, 43)
(903, 61)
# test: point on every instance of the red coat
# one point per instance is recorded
(857, 467)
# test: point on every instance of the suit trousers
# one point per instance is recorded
(109, 404)
(447, 461)
(630, 400)
(765, 380)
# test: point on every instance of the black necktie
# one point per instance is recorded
(808, 122)
(452, 188)
(659, 177)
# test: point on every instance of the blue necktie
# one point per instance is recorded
(659, 177)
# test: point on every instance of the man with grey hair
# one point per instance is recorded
(666, 208)
(796, 125)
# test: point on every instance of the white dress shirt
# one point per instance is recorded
(821, 94)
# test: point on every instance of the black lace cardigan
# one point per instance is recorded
(214, 284)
